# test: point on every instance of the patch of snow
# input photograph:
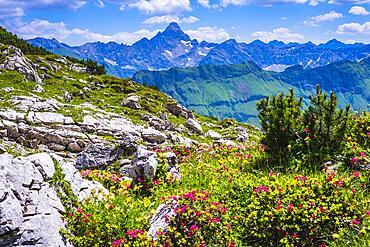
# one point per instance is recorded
(201, 53)
(111, 62)
(186, 43)
(276, 67)
(128, 67)
(168, 54)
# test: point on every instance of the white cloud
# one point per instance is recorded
(158, 6)
(16, 8)
(348, 1)
(161, 19)
(358, 10)
(210, 34)
(204, 3)
(11, 12)
(190, 19)
(59, 30)
(354, 28)
(208, 5)
(169, 19)
(100, 3)
(282, 34)
(225, 3)
(315, 20)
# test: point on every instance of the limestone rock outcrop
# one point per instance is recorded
(30, 210)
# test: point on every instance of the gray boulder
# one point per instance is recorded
(153, 136)
(132, 102)
(98, 156)
(194, 126)
(144, 164)
(48, 118)
(179, 110)
(213, 135)
(82, 188)
(129, 144)
(30, 210)
(17, 61)
(159, 222)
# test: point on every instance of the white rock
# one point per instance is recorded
(11, 115)
(194, 126)
(132, 102)
(213, 135)
(153, 136)
(48, 118)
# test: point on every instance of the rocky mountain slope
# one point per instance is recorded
(174, 48)
(57, 119)
(233, 90)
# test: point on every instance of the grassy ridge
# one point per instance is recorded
(233, 90)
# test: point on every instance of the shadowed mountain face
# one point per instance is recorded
(233, 90)
(174, 48)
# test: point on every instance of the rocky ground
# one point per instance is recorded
(56, 119)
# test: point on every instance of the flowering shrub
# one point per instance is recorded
(111, 181)
(304, 211)
(199, 221)
(245, 203)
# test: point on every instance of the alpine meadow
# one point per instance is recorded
(184, 123)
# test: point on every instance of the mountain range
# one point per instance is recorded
(231, 91)
(174, 48)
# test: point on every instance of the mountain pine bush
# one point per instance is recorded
(308, 136)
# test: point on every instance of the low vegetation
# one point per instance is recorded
(250, 195)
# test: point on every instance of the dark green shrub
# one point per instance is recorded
(308, 136)
(325, 126)
(280, 119)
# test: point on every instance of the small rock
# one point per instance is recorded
(153, 136)
(74, 147)
(159, 222)
(125, 162)
(55, 138)
(144, 164)
(194, 126)
(179, 110)
(214, 135)
(132, 102)
(67, 97)
(8, 89)
(56, 147)
(39, 89)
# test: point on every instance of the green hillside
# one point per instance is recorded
(8, 38)
(233, 90)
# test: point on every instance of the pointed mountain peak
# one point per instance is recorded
(174, 27)
(173, 30)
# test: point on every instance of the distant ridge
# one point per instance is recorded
(231, 91)
(174, 48)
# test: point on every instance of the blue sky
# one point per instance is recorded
(125, 21)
